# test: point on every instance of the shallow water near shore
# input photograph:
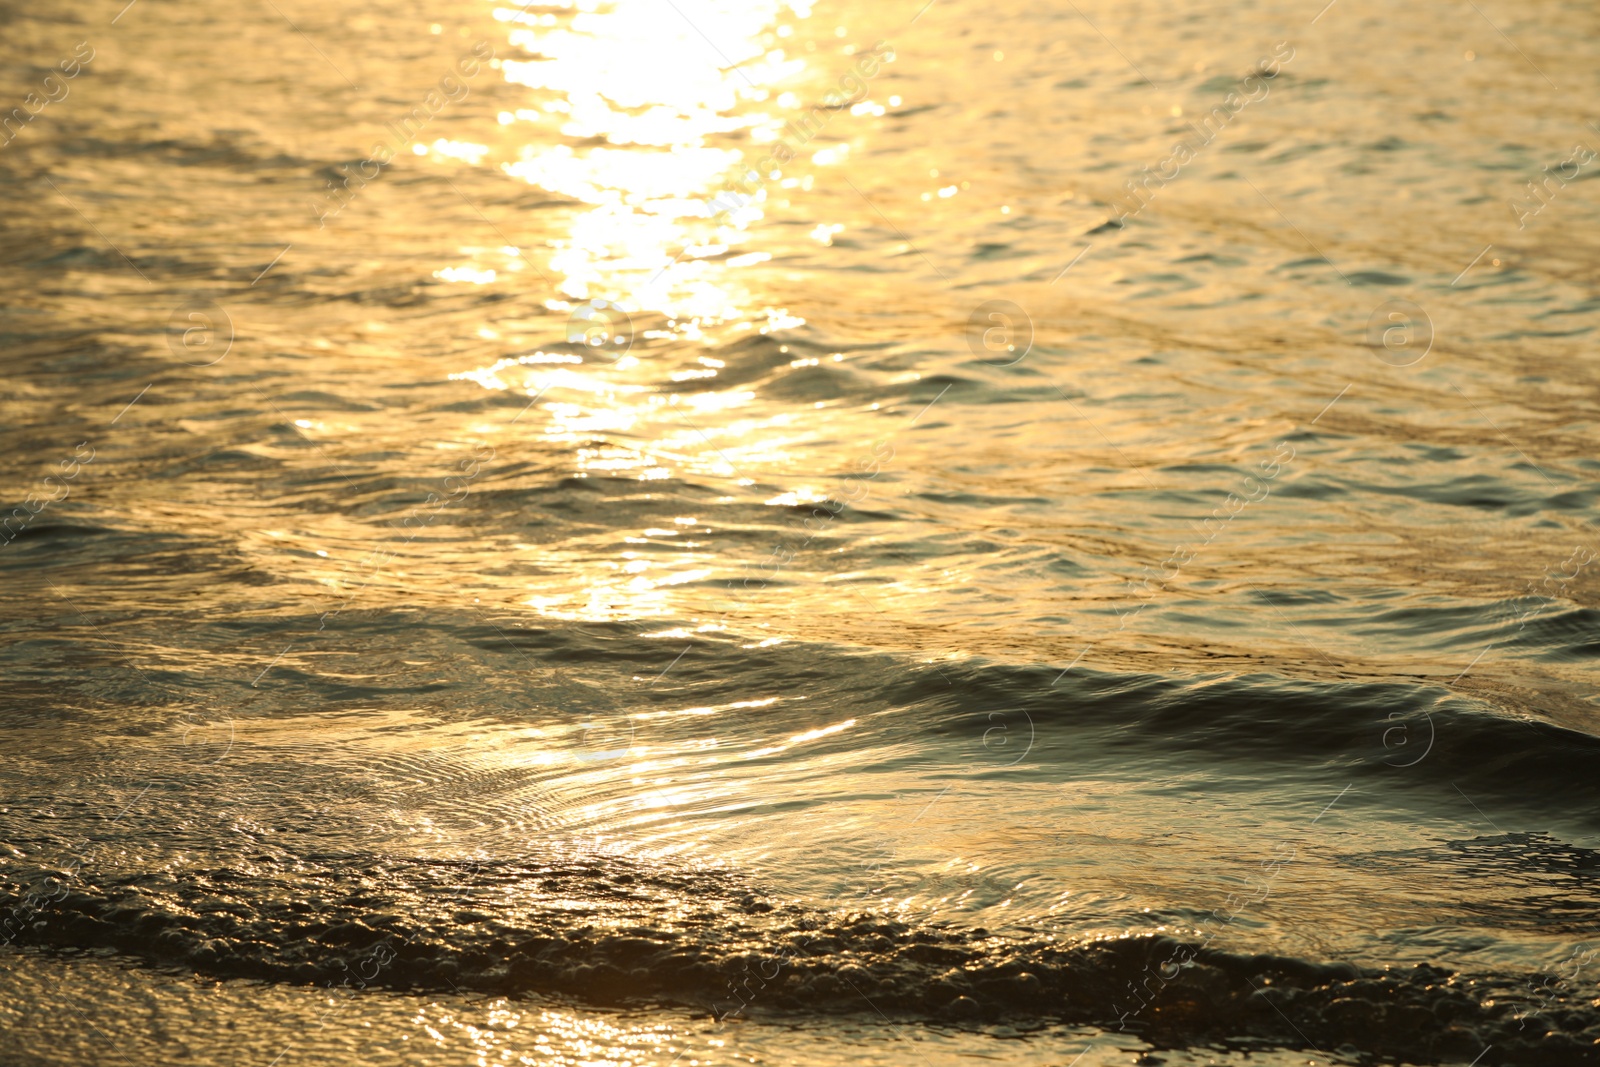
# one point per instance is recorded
(794, 532)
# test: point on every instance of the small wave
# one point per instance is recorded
(609, 931)
(1372, 727)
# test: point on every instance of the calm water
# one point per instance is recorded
(709, 532)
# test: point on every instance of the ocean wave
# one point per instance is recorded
(611, 931)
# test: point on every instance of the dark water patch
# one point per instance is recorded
(1375, 729)
(1479, 491)
(609, 931)
(1378, 277)
(55, 531)
(810, 384)
(1572, 634)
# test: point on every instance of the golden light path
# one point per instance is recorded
(638, 91)
(634, 116)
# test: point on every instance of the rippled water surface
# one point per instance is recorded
(694, 531)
